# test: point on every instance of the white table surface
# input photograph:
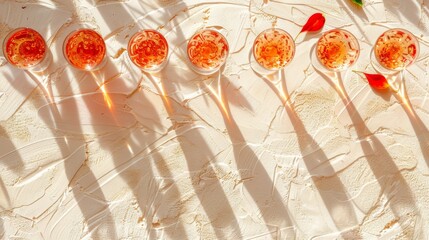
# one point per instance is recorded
(118, 154)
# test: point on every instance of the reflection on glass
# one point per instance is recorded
(337, 50)
(85, 49)
(25, 48)
(148, 50)
(207, 51)
(273, 49)
(396, 49)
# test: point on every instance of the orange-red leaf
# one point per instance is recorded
(314, 23)
(377, 81)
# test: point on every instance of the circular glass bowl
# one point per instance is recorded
(148, 50)
(337, 50)
(395, 49)
(25, 48)
(207, 51)
(85, 49)
(273, 49)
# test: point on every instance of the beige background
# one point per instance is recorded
(118, 154)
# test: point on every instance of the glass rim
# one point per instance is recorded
(223, 61)
(164, 61)
(9, 35)
(72, 33)
(354, 39)
(407, 32)
(274, 29)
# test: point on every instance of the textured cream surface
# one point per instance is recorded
(118, 154)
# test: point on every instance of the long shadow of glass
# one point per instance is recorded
(107, 10)
(87, 192)
(174, 227)
(135, 18)
(255, 177)
(418, 125)
(378, 158)
(14, 164)
(64, 112)
(132, 158)
(5, 201)
(135, 153)
(1, 227)
(107, 88)
(199, 157)
(82, 181)
(52, 116)
(23, 86)
(190, 139)
(115, 17)
(341, 210)
(42, 80)
(68, 145)
(142, 103)
(7, 148)
(103, 107)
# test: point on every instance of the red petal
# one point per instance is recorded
(377, 81)
(314, 23)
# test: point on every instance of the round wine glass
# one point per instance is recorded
(336, 51)
(148, 50)
(85, 49)
(395, 50)
(273, 50)
(25, 48)
(207, 51)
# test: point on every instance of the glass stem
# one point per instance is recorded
(338, 82)
(401, 82)
(217, 92)
(401, 91)
(396, 81)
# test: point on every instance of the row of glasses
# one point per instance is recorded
(25, 48)
(394, 50)
(85, 49)
(207, 50)
(337, 50)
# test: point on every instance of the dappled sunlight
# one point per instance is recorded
(160, 87)
(406, 102)
(102, 87)
(218, 94)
